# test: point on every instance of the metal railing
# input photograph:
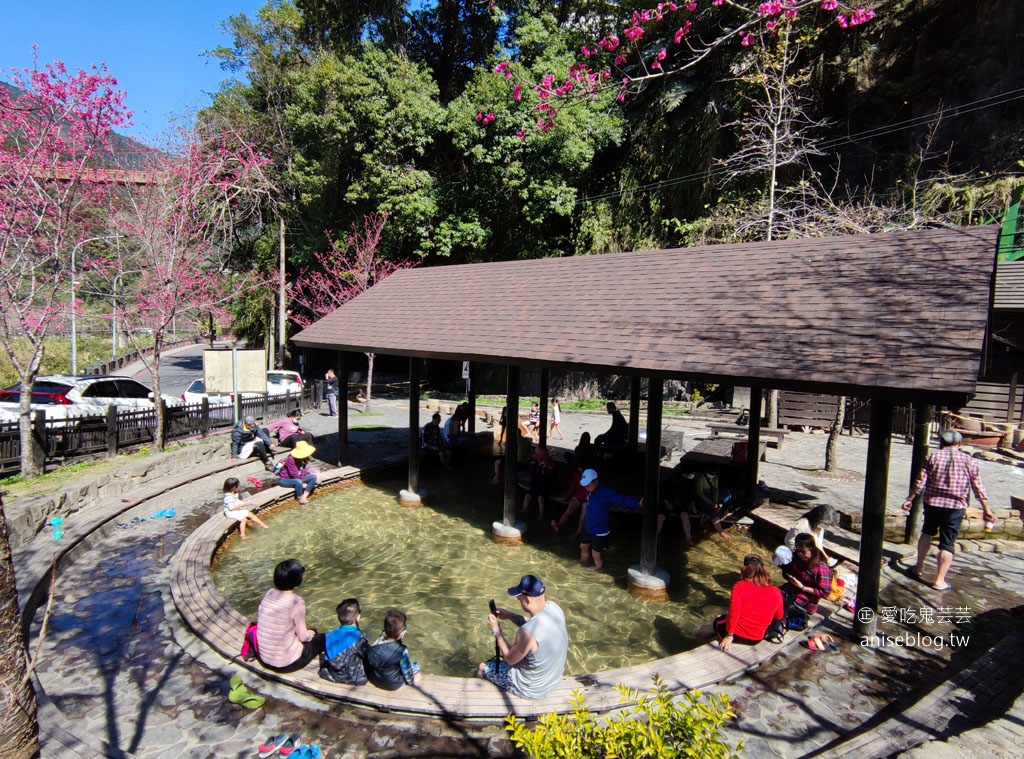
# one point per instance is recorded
(61, 441)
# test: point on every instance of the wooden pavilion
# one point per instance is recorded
(897, 317)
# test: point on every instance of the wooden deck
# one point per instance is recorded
(207, 613)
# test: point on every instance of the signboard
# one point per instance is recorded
(465, 370)
(252, 372)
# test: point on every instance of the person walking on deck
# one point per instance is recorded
(946, 480)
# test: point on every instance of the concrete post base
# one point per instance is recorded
(502, 534)
(653, 587)
(409, 500)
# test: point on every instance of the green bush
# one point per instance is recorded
(657, 725)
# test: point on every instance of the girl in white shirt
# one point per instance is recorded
(234, 507)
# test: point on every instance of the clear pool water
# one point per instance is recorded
(439, 565)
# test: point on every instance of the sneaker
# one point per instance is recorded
(268, 465)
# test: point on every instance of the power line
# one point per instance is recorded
(881, 131)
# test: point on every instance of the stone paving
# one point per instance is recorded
(119, 665)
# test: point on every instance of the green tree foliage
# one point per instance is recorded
(505, 196)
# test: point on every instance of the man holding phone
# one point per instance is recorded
(535, 660)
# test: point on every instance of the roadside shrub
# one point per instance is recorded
(656, 725)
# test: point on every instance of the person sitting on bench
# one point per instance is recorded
(434, 442)
(616, 435)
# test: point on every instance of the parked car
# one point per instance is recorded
(196, 391)
(60, 396)
(280, 381)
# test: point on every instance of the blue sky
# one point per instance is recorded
(153, 47)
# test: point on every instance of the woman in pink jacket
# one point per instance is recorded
(285, 643)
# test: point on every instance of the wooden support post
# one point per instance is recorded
(112, 431)
(753, 447)
(873, 525)
(511, 445)
(922, 433)
(545, 378)
(652, 478)
(343, 456)
(39, 444)
(471, 399)
(414, 425)
(634, 414)
(204, 419)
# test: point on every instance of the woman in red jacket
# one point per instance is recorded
(754, 604)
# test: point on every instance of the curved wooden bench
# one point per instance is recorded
(207, 613)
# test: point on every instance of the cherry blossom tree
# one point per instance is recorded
(666, 39)
(341, 273)
(55, 128)
(178, 233)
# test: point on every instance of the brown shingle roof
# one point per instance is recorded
(885, 313)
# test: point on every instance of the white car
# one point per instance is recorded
(280, 381)
(196, 391)
(61, 396)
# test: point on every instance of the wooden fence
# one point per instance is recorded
(810, 410)
(60, 441)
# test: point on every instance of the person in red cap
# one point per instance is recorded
(533, 664)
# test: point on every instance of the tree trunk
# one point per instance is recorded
(158, 437)
(833, 436)
(369, 381)
(19, 727)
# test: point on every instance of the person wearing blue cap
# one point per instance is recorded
(535, 661)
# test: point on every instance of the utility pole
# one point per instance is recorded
(280, 297)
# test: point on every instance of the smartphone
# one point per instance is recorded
(494, 608)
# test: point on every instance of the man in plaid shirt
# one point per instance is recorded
(946, 480)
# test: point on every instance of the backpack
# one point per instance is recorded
(776, 632)
(250, 646)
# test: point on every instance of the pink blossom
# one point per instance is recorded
(521, 134)
(586, 51)
(683, 31)
(620, 59)
(717, 2)
(502, 68)
(691, 6)
(861, 16)
(841, 20)
(488, 118)
(634, 33)
(746, 39)
(828, 5)
(517, 92)
(480, 116)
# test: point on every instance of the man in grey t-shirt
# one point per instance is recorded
(534, 663)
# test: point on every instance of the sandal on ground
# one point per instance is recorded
(270, 746)
(307, 752)
(823, 642)
(290, 745)
(158, 514)
(947, 586)
(239, 694)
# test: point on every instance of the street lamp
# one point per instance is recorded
(74, 322)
